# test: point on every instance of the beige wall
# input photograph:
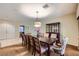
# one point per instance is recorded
(69, 27)
(16, 25)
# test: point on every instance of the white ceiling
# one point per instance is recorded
(31, 9)
(17, 12)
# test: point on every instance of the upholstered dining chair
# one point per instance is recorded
(38, 48)
(60, 50)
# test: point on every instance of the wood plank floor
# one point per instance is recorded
(19, 50)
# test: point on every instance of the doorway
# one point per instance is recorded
(21, 29)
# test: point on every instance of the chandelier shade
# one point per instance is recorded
(37, 24)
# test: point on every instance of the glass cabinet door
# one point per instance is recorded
(53, 27)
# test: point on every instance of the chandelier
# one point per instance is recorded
(37, 22)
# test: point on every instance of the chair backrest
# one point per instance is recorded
(41, 34)
(46, 35)
(64, 43)
(53, 35)
(23, 36)
(31, 40)
(26, 37)
(37, 44)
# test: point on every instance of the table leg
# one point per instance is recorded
(48, 50)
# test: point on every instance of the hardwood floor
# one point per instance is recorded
(71, 51)
(19, 50)
(11, 50)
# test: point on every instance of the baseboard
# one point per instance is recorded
(72, 46)
(11, 46)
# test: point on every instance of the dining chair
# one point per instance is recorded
(38, 48)
(53, 36)
(28, 41)
(60, 50)
(31, 44)
(24, 40)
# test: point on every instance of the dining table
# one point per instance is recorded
(47, 41)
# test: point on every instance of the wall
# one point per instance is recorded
(77, 12)
(7, 30)
(15, 25)
(69, 27)
(78, 34)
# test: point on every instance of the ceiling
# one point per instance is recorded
(18, 11)
(30, 10)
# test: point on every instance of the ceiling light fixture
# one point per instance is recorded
(37, 23)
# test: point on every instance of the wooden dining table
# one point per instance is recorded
(48, 42)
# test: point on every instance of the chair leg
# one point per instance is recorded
(32, 50)
(34, 53)
(61, 54)
(46, 53)
(22, 42)
(40, 54)
(29, 47)
(26, 46)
